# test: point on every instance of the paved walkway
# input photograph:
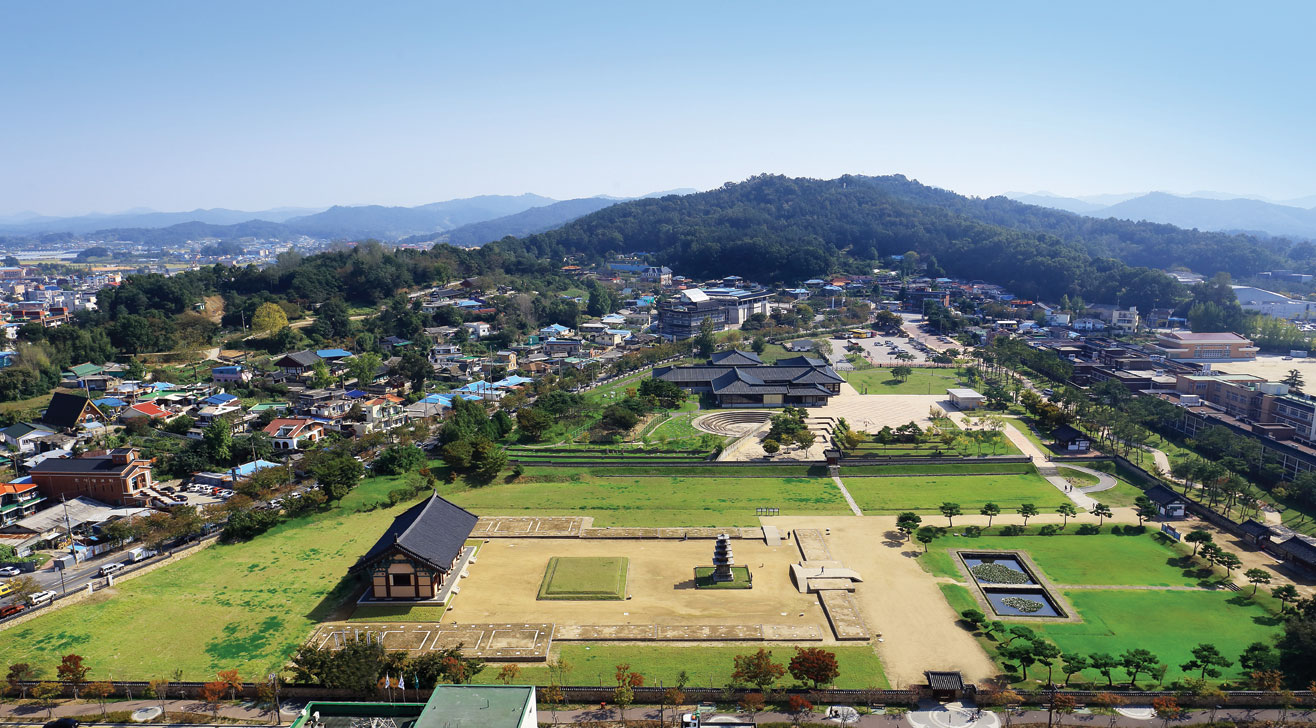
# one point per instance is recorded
(1044, 468)
(848, 498)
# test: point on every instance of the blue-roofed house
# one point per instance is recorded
(7, 358)
(333, 355)
(221, 398)
(109, 404)
(555, 331)
(246, 470)
(236, 374)
(514, 380)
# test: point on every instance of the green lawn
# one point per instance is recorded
(1022, 426)
(1078, 477)
(1072, 559)
(585, 578)
(706, 666)
(925, 494)
(740, 578)
(924, 380)
(677, 499)
(1169, 623)
(246, 606)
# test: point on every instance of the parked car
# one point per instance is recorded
(11, 609)
(63, 723)
(109, 569)
(41, 597)
(10, 571)
(5, 588)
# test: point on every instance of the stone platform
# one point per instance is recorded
(688, 633)
(494, 642)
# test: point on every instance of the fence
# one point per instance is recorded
(653, 695)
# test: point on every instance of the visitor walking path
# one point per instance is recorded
(848, 498)
(1044, 467)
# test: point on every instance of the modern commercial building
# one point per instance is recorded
(18, 499)
(681, 316)
(1204, 348)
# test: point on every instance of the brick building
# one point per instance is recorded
(119, 477)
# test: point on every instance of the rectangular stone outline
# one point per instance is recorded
(1057, 597)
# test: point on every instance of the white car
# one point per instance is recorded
(42, 597)
(10, 571)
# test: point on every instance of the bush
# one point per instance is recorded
(1089, 529)
(398, 459)
(1049, 529)
(244, 525)
(1013, 529)
(973, 531)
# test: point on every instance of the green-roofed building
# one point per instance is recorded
(449, 706)
(86, 370)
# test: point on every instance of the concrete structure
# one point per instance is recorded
(681, 316)
(449, 706)
(1204, 348)
(965, 399)
(1274, 304)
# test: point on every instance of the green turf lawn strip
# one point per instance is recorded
(1080, 478)
(740, 578)
(763, 471)
(595, 664)
(585, 578)
(398, 613)
(671, 500)
(925, 495)
(1169, 623)
(976, 468)
(924, 380)
(1102, 559)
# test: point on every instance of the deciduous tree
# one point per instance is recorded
(814, 665)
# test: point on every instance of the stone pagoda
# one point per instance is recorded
(722, 559)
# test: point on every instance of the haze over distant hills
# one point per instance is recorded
(1201, 210)
(471, 221)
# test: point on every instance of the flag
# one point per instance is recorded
(401, 685)
(386, 683)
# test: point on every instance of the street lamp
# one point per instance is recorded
(274, 680)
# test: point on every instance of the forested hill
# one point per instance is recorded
(774, 228)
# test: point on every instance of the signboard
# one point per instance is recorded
(1170, 531)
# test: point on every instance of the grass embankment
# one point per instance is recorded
(679, 498)
(705, 666)
(925, 495)
(923, 380)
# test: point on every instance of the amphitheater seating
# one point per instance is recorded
(732, 423)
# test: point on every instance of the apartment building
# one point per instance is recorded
(119, 477)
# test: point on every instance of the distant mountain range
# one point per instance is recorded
(1202, 210)
(29, 223)
(469, 221)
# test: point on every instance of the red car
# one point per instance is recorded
(11, 610)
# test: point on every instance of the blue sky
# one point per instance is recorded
(178, 105)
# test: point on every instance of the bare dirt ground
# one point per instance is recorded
(900, 602)
(1253, 558)
(871, 412)
(504, 582)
